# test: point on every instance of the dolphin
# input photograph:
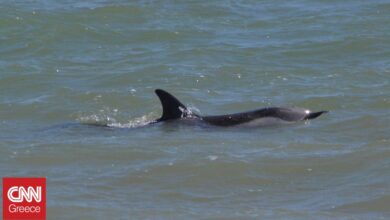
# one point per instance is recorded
(173, 109)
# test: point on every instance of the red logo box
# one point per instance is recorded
(24, 198)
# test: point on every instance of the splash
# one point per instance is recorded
(134, 123)
(96, 119)
(109, 120)
(112, 118)
(191, 111)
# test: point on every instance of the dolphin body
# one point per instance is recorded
(173, 109)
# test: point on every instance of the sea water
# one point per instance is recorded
(66, 64)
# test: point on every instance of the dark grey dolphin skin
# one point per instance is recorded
(174, 109)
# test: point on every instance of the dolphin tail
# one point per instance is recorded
(172, 107)
(314, 115)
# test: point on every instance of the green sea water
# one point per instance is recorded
(66, 64)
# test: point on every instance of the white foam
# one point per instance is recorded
(212, 157)
(106, 119)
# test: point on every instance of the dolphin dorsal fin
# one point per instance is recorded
(172, 107)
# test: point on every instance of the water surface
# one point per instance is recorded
(67, 63)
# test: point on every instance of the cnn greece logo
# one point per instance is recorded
(24, 198)
(28, 194)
